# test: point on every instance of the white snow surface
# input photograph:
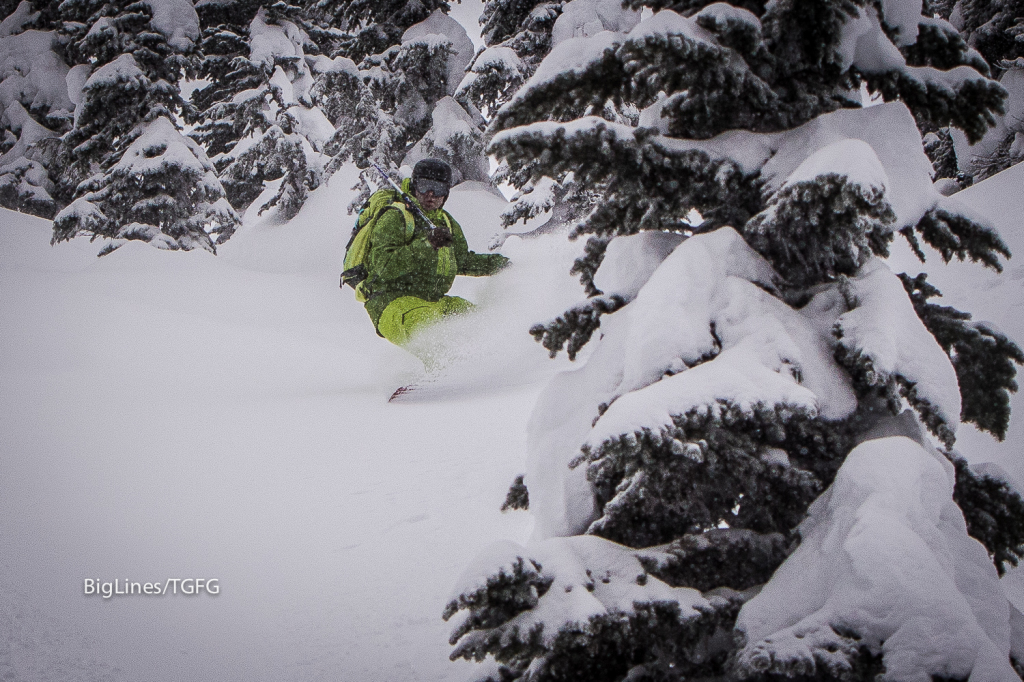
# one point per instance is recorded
(123, 68)
(854, 159)
(173, 415)
(865, 45)
(770, 354)
(723, 13)
(270, 40)
(571, 55)
(669, 23)
(452, 128)
(885, 552)
(904, 16)
(16, 20)
(630, 261)
(161, 144)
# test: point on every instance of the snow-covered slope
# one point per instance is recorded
(183, 415)
(174, 415)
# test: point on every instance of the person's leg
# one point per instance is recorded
(408, 315)
(455, 305)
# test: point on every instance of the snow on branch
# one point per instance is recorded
(536, 610)
(884, 344)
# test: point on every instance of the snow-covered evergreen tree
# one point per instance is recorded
(126, 170)
(256, 117)
(375, 25)
(396, 107)
(546, 26)
(34, 108)
(517, 35)
(754, 474)
(996, 30)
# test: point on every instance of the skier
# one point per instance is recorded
(410, 266)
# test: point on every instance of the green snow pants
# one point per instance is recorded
(407, 315)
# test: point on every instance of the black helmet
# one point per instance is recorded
(432, 175)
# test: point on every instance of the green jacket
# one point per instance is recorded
(398, 265)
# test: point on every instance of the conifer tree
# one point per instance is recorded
(261, 61)
(517, 34)
(34, 107)
(126, 170)
(528, 31)
(738, 484)
(996, 31)
(383, 108)
(375, 25)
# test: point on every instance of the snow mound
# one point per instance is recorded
(885, 555)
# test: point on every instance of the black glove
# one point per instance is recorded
(439, 237)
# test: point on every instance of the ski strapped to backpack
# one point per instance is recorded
(358, 248)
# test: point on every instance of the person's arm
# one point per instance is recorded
(472, 263)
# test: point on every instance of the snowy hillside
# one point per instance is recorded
(171, 415)
(187, 415)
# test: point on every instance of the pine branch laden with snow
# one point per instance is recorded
(518, 35)
(225, 64)
(617, 613)
(991, 28)
(744, 404)
(496, 73)
(274, 155)
(829, 217)
(882, 345)
(993, 511)
(991, 32)
(396, 107)
(504, 19)
(573, 328)
(110, 90)
(721, 556)
(983, 357)
(647, 182)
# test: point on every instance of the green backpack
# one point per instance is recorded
(358, 247)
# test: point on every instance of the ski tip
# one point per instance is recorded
(399, 392)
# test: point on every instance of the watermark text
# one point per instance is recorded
(189, 587)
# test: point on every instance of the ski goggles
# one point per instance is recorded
(423, 185)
